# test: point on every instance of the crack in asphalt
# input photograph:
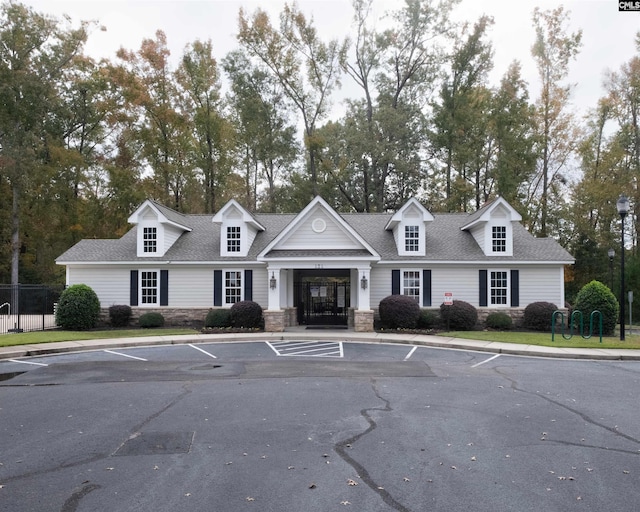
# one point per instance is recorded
(341, 450)
(588, 419)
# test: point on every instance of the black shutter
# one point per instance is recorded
(395, 282)
(217, 287)
(164, 287)
(482, 301)
(515, 288)
(426, 288)
(248, 285)
(133, 288)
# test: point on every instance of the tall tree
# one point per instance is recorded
(552, 51)
(36, 51)
(307, 68)
(265, 133)
(199, 81)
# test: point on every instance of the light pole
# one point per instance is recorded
(623, 209)
(611, 253)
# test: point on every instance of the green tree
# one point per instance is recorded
(307, 68)
(552, 51)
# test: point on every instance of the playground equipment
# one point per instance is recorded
(572, 322)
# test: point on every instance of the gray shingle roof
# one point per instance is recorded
(445, 242)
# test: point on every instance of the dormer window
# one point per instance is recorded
(412, 238)
(499, 238)
(150, 240)
(233, 238)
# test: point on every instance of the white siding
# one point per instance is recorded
(541, 284)
(305, 237)
(171, 234)
(190, 287)
(111, 284)
(461, 281)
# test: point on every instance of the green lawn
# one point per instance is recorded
(544, 339)
(26, 338)
(527, 338)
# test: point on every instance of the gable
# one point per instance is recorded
(318, 227)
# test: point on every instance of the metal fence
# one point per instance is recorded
(28, 307)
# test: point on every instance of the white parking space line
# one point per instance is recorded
(307, 348)
(485, 361)
(26, 362)
(410, 353)
(123, 355)
(203, 351)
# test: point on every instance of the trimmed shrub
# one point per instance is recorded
(538, 315)
(246, 314)
(151, 319)
(119, 315)
(217, 318)
(597, 296)
(399, 312)
(428, 319)
(499, 321)
(459, 316)
(78, 308)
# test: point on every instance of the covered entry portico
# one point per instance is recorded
(323, 294)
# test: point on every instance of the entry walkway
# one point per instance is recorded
(301, 334)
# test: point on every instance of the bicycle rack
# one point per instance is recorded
(572, 323)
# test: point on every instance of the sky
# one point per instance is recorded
(608, 35)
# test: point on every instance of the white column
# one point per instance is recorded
(363, 293)
(274, 293)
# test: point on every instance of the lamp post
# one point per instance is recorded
(623, 210)
(611, 253)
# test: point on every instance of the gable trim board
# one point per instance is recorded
(190, 273)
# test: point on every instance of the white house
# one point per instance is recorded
(319, 266)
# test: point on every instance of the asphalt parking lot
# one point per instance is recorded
(317, 426)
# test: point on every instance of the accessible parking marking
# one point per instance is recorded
(307, 348)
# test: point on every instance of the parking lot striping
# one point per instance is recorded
(410, 353)
(27, 362)
(485, 361)
(203, 351)
(124, 355)
(307, 348)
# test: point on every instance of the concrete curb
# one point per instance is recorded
(41, 349)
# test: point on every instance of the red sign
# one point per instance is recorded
(448, 299)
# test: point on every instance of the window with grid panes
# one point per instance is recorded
(411, 284)
(412, 238)
(232, 287)
(149, 287)
(498, 287)
(149, 239)
(233, 238)
(499, 238)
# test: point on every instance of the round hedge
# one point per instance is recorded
(399, 312)
(597, 296)
(151, 320)
(78, 308)
(217, 318)
(459, 316)
(538, 315)
(246, 314)
(499, 321)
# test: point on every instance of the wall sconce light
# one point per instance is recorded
(273, 281)
(364, 283)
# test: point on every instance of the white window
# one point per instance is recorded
(233, 238)
(232, 286)
(411, 284)
(498, 288)
(149, 239)
(412, 238)
(499, 238)
(149, 287)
